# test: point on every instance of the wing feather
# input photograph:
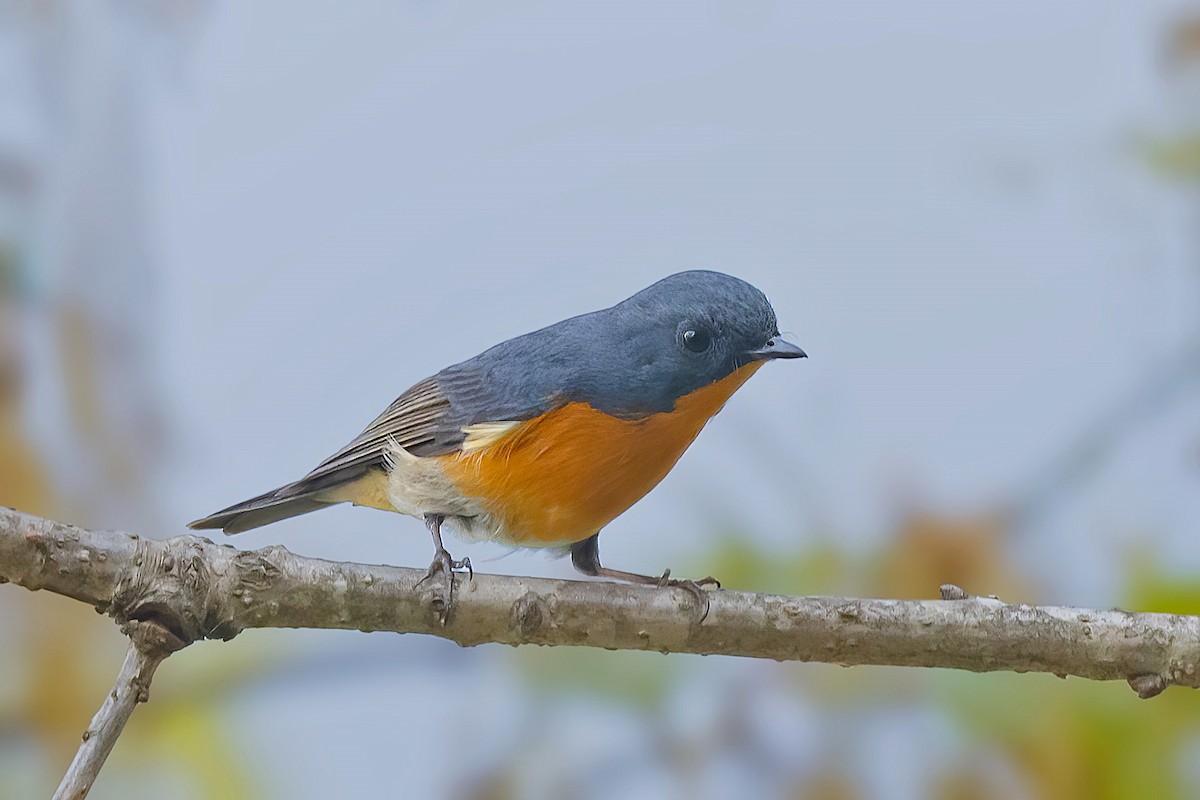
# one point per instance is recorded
(417, 421)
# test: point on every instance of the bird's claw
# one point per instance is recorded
(461, 564)
(695, 588)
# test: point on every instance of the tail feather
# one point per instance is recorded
(291, 500)
(262, 510)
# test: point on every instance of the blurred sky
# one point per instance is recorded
(947, 203)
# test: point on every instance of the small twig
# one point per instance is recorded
(149, 644)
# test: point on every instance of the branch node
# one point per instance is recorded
(1148, 685)
(154, 643)
(529, 612)
(849, 611)
(951, 592)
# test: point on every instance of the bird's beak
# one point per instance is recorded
(776, 347)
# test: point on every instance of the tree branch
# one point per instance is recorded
(189, 589)
(196, 589)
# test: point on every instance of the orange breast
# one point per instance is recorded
(561, 477)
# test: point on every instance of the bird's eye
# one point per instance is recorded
(696, 341)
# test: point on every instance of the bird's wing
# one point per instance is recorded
(463, 407)
(417, 421)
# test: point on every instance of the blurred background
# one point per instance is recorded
(231, 233)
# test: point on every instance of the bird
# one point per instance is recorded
(544, 439)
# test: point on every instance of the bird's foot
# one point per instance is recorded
(443, 599)
(585, 555)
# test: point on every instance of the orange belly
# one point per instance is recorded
(563, 476)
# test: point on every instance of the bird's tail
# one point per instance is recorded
(292, 500)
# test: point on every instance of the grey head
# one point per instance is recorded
(638, 357)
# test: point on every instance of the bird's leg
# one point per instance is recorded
(444, 563)
(585, 556)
